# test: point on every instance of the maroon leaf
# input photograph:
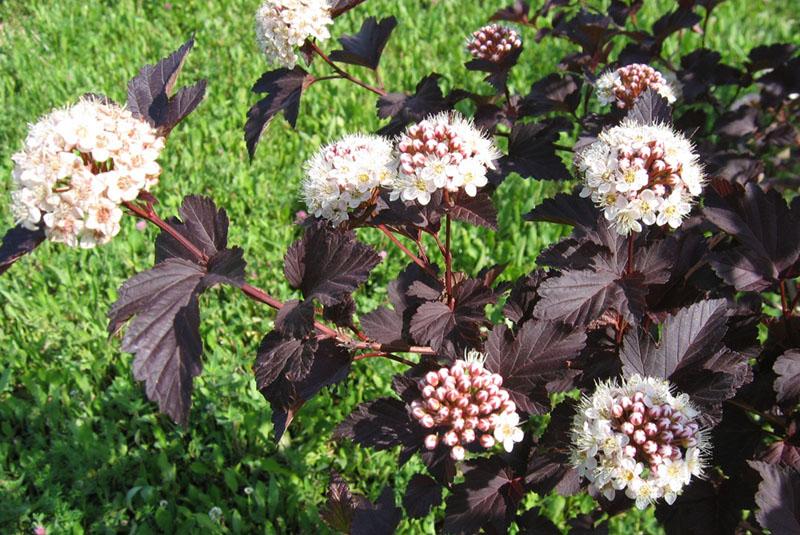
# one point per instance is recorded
(283, 87)
(554, 92)
(692, 335)
(787, 367)
(365, 47)
(531, 152)
(405, 109)
(165, 334)
(382, 517)
(523, 297)
(482, 499)
(328, 265)
(18, 242)
(383, 325)
(422, 495)
(453, 330)
(539, 350)
(478, 210)
(768, 232)
(533, 522)
(566, 209)
(672, 22)
(341, 504)
(279, 356)
(295, 319)
(150, 92)
(769, 56)
(516, 12)
(650, 108)
(782, 452)
(778, 498)
(201, 223)
(382, 424)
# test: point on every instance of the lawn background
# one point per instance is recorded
(81, 449)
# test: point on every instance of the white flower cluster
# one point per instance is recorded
(345, 174)
(624, 85)
(78, 165)
(641, 174)
(638, 437)
(444, 151)
(282, 25)
(466, 404)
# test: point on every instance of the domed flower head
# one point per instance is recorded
(466, 404)
(624, 85)
(282, 25)
(494, 43)
(344, 175)
(639, 437)
(641, 175)
(444, 151)
(76, 168)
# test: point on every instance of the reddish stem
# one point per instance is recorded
(629, 265)
(784, 300)
(389, 356)
(448, 262)
(417, 260)
(344, 74)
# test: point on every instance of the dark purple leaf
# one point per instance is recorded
(283, 87)
(365, 47)
(165, 335)
(295, 319)
(692, 335)
(483, 498)
(670, 23)
(516, 12)
(554, 92)
(422, 495)
(341, 504)
(787, 367)
(523, 297)
(566, 209)
(538, 351)
(201, 223)
(768, 232)
(783, 453)
(18, 242)
(779, 84)
(150, 92)
(738, 123)
(769, 56)
(533, 522)
(477, 210)
(382, 517)
(650, 108)
(226, 267)
(382, 424)
(405, 109)
(383, 325)
(341, 314)
(328, 265)
(532, 154)
(276, 354)
(778, 498)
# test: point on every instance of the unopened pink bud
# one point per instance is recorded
(654, 412)
(433, 404)
(636, 418)
(650, 429)
(467, 436)
(444, 373)
(441, 393)
(432, 378)
(403, 145)
(666, 436)
(483, 425)
(457, 453)
(430, 145)
(418, 413)
(473, 410)
(464, 384)
(638, 407)
(628, 428)
(509, 407)
(626, 402)
(428, 391)
(417, 145)
(617, 411)
(450, 438)
(458, 424)
(487, 441)
(639, 437)
(455, 413)
(495, 403)
(427, 421)
(665, 451)
(656, 459)
(486, 408)
(431, 441)
(443, 413)
(503, 395)
(450, 383)
(497, 379)
(452, 396)
(666, 411)
(664, 423)
(650, 447)
(471, 422)
(481, 396)
(629, 451)
(442, 150)
(462, 402)
(492, 389)
(413, 130)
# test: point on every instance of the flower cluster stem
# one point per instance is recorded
(341, 72)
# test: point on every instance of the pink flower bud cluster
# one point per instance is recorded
(494, 43)
(638, 437)
(624, 85)
(444, 151)
(464, 403)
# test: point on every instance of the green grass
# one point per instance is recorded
(80, 447)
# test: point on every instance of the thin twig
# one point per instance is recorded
(342, 72)
(448, 262)
(417, 260)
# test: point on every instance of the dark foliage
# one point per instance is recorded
(18, 242)
(365, 47)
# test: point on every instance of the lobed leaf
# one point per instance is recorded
(18, 242)
(778, 498)
(365, 47)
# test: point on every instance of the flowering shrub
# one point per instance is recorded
(654, 351)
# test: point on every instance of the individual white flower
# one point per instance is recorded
(639, 437)
(443, 152)
(507, 431)
(624, 85)
(466, 404)
(345, 174)
(78, 165)
(641, 175)
(283, 25)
